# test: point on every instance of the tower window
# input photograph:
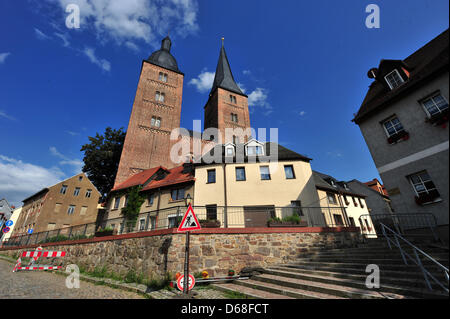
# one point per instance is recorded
(233, 99)
(160, 97)
(234, 117)
(156, 121)
(162, 77)
(394, 79)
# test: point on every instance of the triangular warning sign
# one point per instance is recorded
(189, 221)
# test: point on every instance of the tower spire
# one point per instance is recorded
(224, 78)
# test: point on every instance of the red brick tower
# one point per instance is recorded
(156, 111)
(227, 105)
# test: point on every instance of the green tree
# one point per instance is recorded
(133, 206)
(101, 158)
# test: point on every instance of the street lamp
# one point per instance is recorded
(188, 200)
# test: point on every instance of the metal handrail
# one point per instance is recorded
(416, 260)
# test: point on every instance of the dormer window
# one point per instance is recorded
(254, 150)
(229, 150)
(394, 79)
(332, 183)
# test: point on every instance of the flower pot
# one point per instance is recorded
(286, 224)
(104, 233)
(210, 224)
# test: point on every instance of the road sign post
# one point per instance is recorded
(188, 223)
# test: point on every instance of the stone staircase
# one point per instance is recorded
(341, 274)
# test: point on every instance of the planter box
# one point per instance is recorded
(402, 135)
(438, 119)
(427, 198)
(210, 224)
(287, 224)
(103, 233)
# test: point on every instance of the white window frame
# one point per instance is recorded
(422, 182)
(169, 217)
(71, 209)
(63, 189)
(389, 83)
(76, 191)
(141, 224)
(390, 120)
(435, 105)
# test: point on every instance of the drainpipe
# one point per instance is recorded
(157, 207)
(225, 213)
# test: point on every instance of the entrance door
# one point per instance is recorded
(257, 216)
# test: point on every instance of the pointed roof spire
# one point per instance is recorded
(224, 78)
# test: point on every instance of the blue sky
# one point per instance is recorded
(303, 63)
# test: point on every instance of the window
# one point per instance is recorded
(424, 187)
(142, 224)
(393, 126)
(235, 139)
(126, 201)
(156, 121)
(254, 150)
(116, 202)
(354, 202)
(151, 198)
(435, 104)
(394, 79)
(240, 173)
(232, 99)
(211, 212)
(121, 226)
(83, 210)
(289, 171)
(57, 207)
(360, 202)
(332, 183)
(338, 220)
(229, 151)
(331, 198)
(177, 194)
(352, 221)
(76, 192)
(346, 200)
(173, 221)
(265, 173)
(80, 178)
(153, 222)
(297, 207)
(234, 117)
(63, 189)
(51, 226)
(162, 77)
(71, 209)
(211, 176)
(160, 97)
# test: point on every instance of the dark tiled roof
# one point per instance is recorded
(224, 78)
(370, 188)
(426, 62)
(282, 154)
(163, 57)
(323, 181)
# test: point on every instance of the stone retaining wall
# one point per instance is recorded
(155, 253)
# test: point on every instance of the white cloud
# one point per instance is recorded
(102, 63)
(41, 35)
(132, 46)
(246, 72)
(72, 133)
(3, 56)
(19, 180)
(302, 113)
(9, 117)
(258, 98)
(76, 163)
(143, 20)
(64, 38)
(241, 86)
(204, 81)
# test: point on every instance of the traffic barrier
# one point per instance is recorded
(35, 255)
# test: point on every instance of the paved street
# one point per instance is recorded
(45, 285)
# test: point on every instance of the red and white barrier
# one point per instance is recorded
(34, 255)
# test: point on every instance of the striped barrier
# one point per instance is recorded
(34, 255)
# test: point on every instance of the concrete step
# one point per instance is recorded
(325, 288)
(250, 292)
(388, 277)
(362, 266)
(360, 269)
(426, 249)
(376, 254)
(377, 261)
(281, 289)
(360, 283)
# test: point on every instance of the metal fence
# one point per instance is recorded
(208, 216)
(404, 223)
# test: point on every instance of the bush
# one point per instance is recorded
(292, 219)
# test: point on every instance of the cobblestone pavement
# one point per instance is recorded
(45, 285)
